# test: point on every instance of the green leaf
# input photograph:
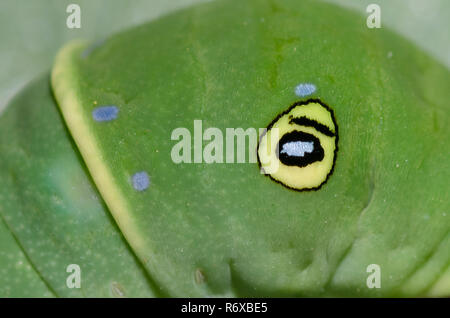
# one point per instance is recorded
(18, 278)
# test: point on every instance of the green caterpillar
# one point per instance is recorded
(87, 177)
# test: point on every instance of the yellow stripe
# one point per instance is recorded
(66, 89)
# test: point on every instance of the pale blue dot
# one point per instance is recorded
(105, 113)
(141, 181)
(298, 148)
(305, 89)
(91, 48)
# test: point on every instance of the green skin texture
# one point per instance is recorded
(386, 203)
(54, 211)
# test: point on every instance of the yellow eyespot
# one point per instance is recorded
(299, 147)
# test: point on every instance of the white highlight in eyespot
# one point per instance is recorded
(141, 181)
(297, 148)
(305, 89)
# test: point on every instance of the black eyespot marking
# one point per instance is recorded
(299, 149)
(305, 121)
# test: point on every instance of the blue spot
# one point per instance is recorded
(141, 181)
(305, 89)
(105, 113)
(91, 48)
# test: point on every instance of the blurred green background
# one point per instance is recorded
(31, 32)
